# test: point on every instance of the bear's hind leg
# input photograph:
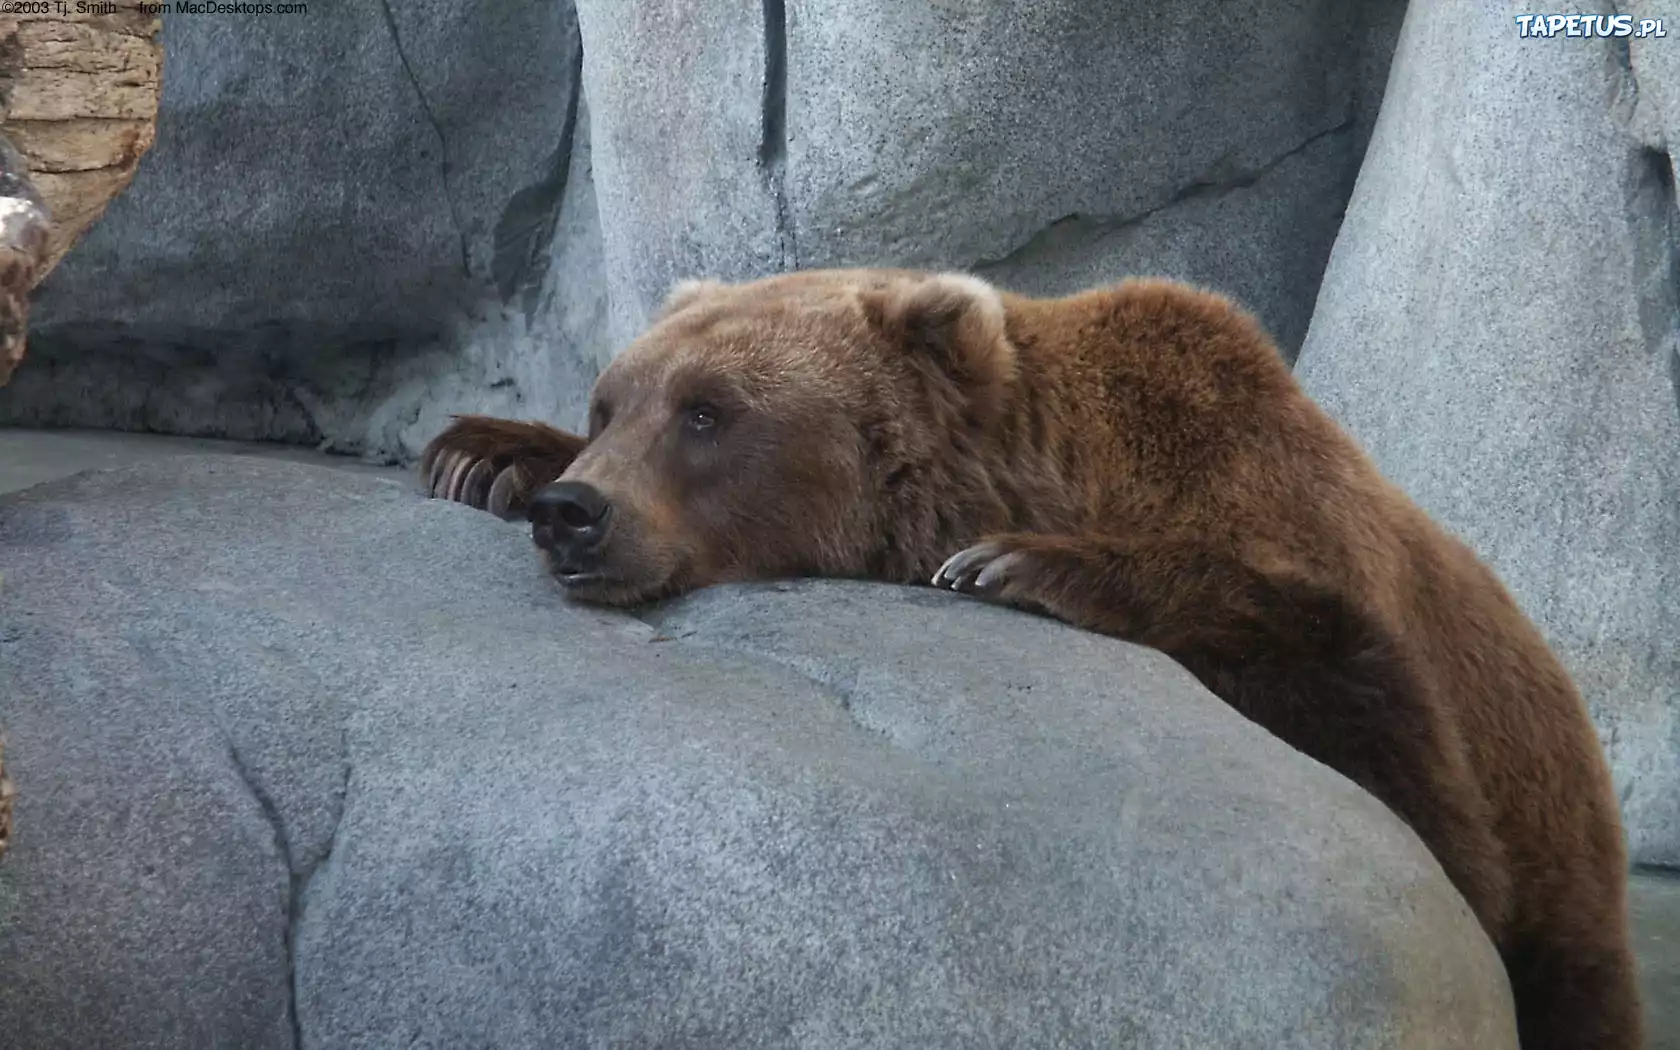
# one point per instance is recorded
(495, 464)
(1572, 971)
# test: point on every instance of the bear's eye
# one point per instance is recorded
(700, 418)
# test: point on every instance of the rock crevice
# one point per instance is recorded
(443, 163)
(1216, 182)
(773, 148)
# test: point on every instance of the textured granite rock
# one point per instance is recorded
(1500, 327)
(306, 761)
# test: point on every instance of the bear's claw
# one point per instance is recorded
(503, 499)
(980, 569)
(437, 470)
(493, 464)
(461, 477)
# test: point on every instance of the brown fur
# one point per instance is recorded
(1135, 460)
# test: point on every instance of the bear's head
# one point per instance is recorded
(796, 425)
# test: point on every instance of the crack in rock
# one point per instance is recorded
(283, 843)
(1653, 215)
(298, 876)
(302, 881)
(524, 236)
(1203, 186)
(1653, 212)
(437, 129)
(773, 141)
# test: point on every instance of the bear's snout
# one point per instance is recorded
(569, 520)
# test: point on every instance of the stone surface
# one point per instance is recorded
(32, 457)
(1498, 325)
(262, 713)
(350, 215)
(467, 207)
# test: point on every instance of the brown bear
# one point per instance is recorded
(1136, 460)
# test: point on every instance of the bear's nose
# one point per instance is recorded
(568, 514)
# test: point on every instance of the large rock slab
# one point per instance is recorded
(1499, 326)
(1654, 913)
(306, 761)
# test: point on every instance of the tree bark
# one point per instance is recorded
(24, 232)
(79, 102)
(6, 794)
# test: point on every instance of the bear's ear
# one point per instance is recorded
(687, 293)
(955, 321)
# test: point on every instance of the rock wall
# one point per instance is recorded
(1500, 325)
(1049, 145)
(358, 220)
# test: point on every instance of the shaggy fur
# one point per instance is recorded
(1135, 460)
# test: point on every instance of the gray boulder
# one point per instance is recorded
(1498, 325)
(306, 761)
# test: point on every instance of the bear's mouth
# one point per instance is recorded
(591, 587)
(571, 578)
(590, 583)
(598, 577)
(595, 588)
(577, 572)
